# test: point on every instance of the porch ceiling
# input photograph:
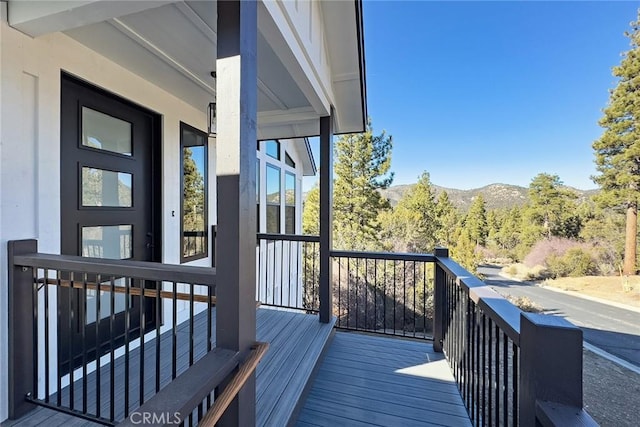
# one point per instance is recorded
(173, 45)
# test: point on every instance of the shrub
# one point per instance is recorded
(521, 271)
(544, 249)
(511, 270)
(575, 262)
(537, 272)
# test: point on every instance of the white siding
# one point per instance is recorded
(30, 146)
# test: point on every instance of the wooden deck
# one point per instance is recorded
(363, 380)
(296, 339)
(368, 380)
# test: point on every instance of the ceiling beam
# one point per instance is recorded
(151, 47)
(39, 17)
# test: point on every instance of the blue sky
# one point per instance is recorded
(482, 92)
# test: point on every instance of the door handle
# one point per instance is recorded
(150, 244)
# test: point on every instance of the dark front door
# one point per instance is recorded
(109, 185)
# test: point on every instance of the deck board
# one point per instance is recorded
(296, 341)
(372, 380)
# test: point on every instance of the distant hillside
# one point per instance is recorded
(495, 195)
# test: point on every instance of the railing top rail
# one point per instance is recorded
(205, 276)
(500, 310)
(391, 256)
(289, 237)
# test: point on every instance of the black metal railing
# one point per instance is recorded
(288, 271)
(511, 368)
(194, 243)
(481, 347)
(383, 293)
(107, 335)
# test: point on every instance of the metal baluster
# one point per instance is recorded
(127, 327)
(158, 323)
(83, 320)
(515, 383)
(59, 322)
(414, 299)
(112, 400)
(70, 348)
(505, 380)
(191, 315)
(384, 297)
(46, 336)
(98, 347)
(366, 294)
(174, 333)
(34, 290)
(142, 332)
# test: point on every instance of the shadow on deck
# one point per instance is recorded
(369, 380)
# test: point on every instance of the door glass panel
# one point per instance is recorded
(113, 242)
(105, 301)
(106, 188)
(105, 132)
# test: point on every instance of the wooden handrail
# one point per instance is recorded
(148, 292)
(223, 401)
(135, 292)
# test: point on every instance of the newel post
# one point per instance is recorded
(438, 299)
(22, 361)
(326, 217)
(550, 364)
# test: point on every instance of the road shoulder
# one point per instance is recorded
(575, 294)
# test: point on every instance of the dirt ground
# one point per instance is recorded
(611, 392)
(624, 290)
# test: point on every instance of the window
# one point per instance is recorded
(258, 195)
(273, 199)
(193, 186)
(290, 203)
(273, 149)
(288, 160)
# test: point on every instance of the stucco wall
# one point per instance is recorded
(30, 146)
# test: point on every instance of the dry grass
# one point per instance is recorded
(524, 304)
(522, 272)
(624, 290)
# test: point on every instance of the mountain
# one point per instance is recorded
(495, 195)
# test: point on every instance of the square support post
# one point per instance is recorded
(22, 360)
(439, 299)
(326, 217)
(236, 93)
(550, 364)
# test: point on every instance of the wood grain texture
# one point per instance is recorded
(296, 341)
(370, 380)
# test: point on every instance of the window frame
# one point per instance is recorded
(264, 161)
(267, 203)
(186, 127)
(295, 200)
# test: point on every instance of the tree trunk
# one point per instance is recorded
(630, 240)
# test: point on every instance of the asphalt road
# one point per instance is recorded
(614, 330)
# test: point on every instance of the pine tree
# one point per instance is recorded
(193, 193)
(361, 168)
(553, 206)
(448, 219)
(476, 221)
(415, 218)
(509, 234)
(617, 152)
(311, 212)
